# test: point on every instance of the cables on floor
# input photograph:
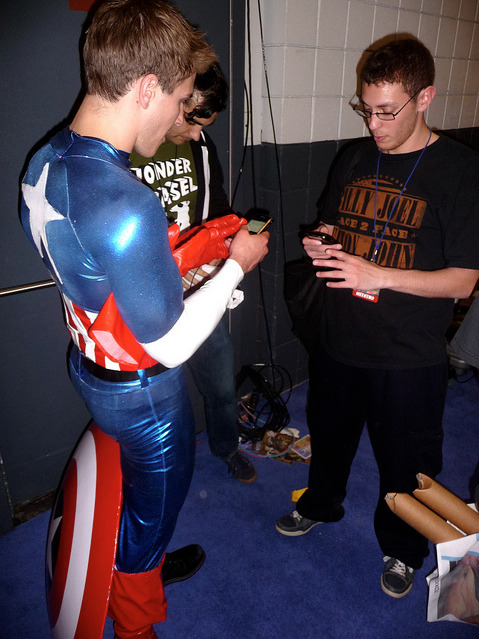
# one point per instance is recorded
(262, 406)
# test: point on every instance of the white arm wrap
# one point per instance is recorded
(201, 314)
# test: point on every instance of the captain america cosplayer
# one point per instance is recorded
(104, 238)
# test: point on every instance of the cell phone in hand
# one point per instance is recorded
(325, 238)
(259, 225)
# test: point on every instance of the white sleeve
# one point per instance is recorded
(201, 314)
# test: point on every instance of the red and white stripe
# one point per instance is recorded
(78, 322)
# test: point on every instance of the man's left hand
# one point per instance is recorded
(349, 271)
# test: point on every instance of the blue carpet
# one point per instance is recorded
(256, 583)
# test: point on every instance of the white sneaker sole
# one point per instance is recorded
(295, 533)
(395, 595)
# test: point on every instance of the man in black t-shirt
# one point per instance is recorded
(404, 213)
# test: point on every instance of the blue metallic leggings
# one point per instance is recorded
(153, 422)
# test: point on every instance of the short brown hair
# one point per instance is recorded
(405, 61)
(128, 39)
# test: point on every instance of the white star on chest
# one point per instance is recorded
(41, 212)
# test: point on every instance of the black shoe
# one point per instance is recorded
(294, 524)
(397, 578)
(241, 468)
(182, 564)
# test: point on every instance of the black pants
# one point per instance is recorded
(403, 412)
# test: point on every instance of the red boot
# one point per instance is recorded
(137, 601)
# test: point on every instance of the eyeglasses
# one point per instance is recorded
(367, 113)
(190, 118)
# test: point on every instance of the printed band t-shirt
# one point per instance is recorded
(171, 174)
(435, 225)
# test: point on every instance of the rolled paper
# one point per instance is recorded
(446, 504)
(421, 518)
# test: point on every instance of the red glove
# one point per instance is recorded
(173, 234)
(200, 245)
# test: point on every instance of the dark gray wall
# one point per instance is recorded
(41, 417)
(40, 414)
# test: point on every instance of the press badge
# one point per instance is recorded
(369, 296)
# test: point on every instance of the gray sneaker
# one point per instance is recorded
(293, 524)
(397, 578)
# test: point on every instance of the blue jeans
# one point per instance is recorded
(212, 368)
(153, 422)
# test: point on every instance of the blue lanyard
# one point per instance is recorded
(376, 243)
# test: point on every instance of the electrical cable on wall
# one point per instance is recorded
(270, 413)
(273, 128)
(245, 143)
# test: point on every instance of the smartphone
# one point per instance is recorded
(325, 238)
(258, 225)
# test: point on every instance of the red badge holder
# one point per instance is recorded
(369, 296)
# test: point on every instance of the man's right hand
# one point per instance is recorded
(248, 250)
(202, 244)
(316, 249)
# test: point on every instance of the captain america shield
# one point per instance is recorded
(82, 539)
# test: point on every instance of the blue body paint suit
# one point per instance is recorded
(100, 231)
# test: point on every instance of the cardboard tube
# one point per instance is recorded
(421, 518)
(446, 504)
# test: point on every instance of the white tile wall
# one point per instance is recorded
(275, 71)
(458, 76)
(360, 25)
(452, 112)
(325, 118)
(451, 8)
(329, 72)
(299, 65)
(443, 73)
(333, 22)
(429, 6)
(408, 22)
(465, 30)
(312, 48)
(385, 22)
(475, 41)
(468, 9)
(469, 107)
(446, 38)
(472, 78)
(413, 5)
(428, 31)
(302, 31)
(435, 113)
(274, 21)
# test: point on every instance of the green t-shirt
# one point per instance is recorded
(171, 174)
